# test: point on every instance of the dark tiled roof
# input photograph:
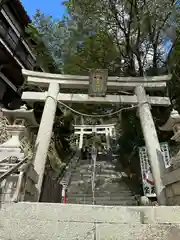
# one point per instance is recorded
(21, 12)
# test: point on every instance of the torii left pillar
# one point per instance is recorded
(44, 133)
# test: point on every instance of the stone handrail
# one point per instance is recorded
(12, 170)
(68, 170)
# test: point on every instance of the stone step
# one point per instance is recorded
(40, 230)
(78, 186)
(99, 194)
(99, 180)
(98, 175)
(39, 221)
(102, 194)
(101, 198)
(99, 161)
(104, 203)
(88, 166)
(98, 171)
(102, 177)
(67, 212)
(112, 202)
(86, 231)
(118, 187)
(105, 164)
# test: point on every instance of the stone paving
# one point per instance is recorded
(39, 221)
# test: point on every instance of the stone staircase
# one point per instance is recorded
(39, 221)
(110, 188)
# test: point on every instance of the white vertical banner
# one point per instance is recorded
(146, 172)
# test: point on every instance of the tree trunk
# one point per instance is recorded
(141, 72)
(155, 66)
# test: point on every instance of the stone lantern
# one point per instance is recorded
(20, 116)
(173, 124)
(17, 121)
(11, 152)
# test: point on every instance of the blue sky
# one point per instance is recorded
(53, 8)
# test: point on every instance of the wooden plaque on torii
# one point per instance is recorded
(98, 82)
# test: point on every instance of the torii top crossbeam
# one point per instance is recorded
(42, 79)
(82, 82)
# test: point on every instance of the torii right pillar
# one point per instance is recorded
(152, 143)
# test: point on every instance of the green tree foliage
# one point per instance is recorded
(96, 51)
(136, 28)
(124, 36)
(44, 57)
(174, 64)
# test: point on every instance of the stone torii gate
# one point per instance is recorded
(55, 82)
(107, 129)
